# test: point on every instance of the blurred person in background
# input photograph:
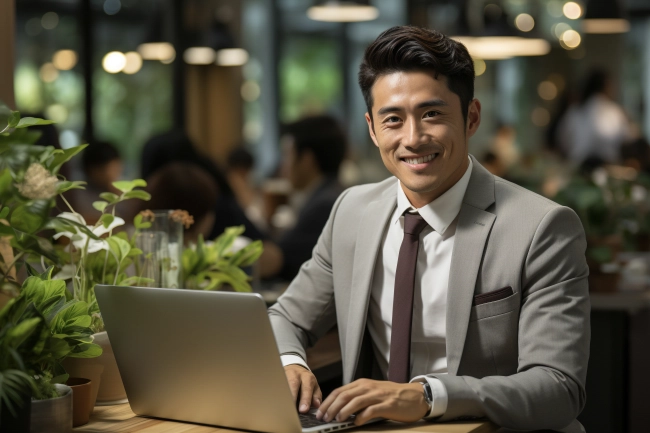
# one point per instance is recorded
(239, 172)
(102, 165)
(312, 152)
(596, 126)
(175, 146)
(185, 186)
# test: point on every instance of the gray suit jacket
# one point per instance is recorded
(521, 360)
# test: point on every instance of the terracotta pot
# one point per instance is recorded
(53, 415)
(111, 388)
(89, 368)
(81, 400)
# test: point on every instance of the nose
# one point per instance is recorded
(414, 135)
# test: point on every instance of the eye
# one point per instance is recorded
(431, 113)
(392, 119)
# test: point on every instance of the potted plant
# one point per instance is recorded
(29, 184)
(39, 329)
(215, 266)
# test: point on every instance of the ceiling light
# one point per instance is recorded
(605, 25)
(479, 67)
(64, 60)
(232, 57)
(572, 10)
(133, 63)
(503, 47)
(199, 56)
(114, 62)
(342, 11)
(570, 39)
(524, 22)
(163, 51)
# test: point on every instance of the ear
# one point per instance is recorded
(473, 117)
(371, 129)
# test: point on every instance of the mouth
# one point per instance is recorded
(417, 161)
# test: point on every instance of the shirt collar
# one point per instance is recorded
(441, 212)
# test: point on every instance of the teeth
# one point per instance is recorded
(420, 160)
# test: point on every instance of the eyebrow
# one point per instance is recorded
(424, 104)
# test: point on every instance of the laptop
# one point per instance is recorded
(202, 357)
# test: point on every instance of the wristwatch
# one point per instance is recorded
(428, 396)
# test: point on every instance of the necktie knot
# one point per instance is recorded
(414, 224)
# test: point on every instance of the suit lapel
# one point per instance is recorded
(472, 231)
(371, 231)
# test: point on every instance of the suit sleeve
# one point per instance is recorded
(548, 390)
(306, 311)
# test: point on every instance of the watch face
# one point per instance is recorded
(428, 395)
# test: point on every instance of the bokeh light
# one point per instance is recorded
(48, 73)
(64, 60)
(525, 22)
(547, 90)
(572, 10)
(114, 62)
(133, 63)
(479, 67)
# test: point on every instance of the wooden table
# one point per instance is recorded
(120, 419)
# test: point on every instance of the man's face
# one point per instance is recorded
(418, 126)
(296, 168)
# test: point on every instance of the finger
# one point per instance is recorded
(341, 400)
(327, 403)
(306, 393)
(357, 404)
(373, 411)
(317, 398)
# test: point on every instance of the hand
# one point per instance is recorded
(302, 380)
(375, 399)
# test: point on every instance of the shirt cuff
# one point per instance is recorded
(295, 359)
(440, 396)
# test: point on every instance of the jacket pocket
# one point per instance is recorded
(507, 301)
(493, 296)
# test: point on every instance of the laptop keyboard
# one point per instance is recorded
(310, 420)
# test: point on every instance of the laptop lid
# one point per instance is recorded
(198, 356)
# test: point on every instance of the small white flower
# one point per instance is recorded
(79, 239)
(38, 183)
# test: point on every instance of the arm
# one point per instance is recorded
(305, 312)
(548, 389)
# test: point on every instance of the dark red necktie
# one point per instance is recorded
(400, 338)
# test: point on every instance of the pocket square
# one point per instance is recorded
(496, 295)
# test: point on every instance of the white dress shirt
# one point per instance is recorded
(428, 335)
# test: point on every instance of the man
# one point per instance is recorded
(313, 150)
(492, 317)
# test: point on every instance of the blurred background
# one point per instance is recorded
(262, 96)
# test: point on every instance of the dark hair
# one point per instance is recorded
(323, 136)
(596, 82)
(182, 185)
(409, 48)
(175, 146)
(240, 158)
(98, 153)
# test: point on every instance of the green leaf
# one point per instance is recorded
(26, 122)
(248, 255)
(4, 212)
(128, 185)
(64, 157)
(91, 350)
(106, 219)
(21, 332)
(119, 247)
(29, 218)
(100, 205)
(68, 185)
(135, 281)
(109, 197)
(14, 119)
(226, 239)
(142, 195)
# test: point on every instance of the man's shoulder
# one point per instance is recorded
(520, 202)
(372, 191)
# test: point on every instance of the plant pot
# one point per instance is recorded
(89, 368)
(81, 400)
(111, 388)
(53, 415)
(20, 422)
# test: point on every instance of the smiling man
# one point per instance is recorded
(456, 293)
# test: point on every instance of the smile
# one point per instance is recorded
(420, 160)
